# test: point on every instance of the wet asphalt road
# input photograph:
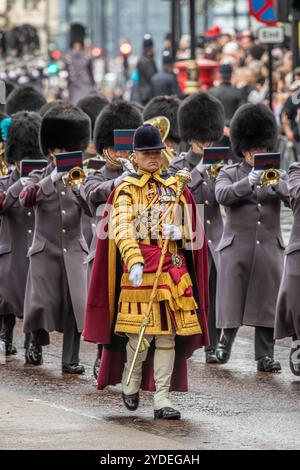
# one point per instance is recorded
(227, 407)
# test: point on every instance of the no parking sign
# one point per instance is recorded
(263, 11)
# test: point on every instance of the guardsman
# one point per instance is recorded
(167, 293)
(287, 324)
(21, 134)
(24, 98)
(251, 250)
(98, 187)
(79, 65)
(57, 280)
(201, 123)
(166, 106)
(92, 105)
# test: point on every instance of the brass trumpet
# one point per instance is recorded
(74, 177)
(214, 170)
(270, 177)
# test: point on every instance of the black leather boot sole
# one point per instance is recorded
(269, 365)
(73, 369)
(167, 413)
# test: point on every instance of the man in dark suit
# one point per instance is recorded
(229, 95)
(164, 83)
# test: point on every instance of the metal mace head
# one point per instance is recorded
(184, 178)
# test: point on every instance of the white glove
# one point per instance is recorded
(25, 181)
(120, 179)
(254, 176)
(56, 176)
(136, 275)
(126, 164)
(171, 232)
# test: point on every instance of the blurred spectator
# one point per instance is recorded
(184, 50)
(229, 95)
(246, 40)
(146, 69)
(168, 42)
(164, 83)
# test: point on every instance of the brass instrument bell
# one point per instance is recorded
(214, 170)
(75, 177)
(270, 177)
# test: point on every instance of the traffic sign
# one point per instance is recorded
(271, 35)
(263, 11)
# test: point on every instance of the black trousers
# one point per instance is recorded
(214, 332)
(71, 339)
(263, 344)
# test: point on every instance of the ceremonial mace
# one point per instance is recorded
(183, 179)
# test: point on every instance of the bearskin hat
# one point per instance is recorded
(168, 107)
(92, 105)
(201, 117)
(77, 34)
(253, 127)
(138, 106)
(24, 98)
(23, 137)
(117, 115)
(65, 127)
(44, 109)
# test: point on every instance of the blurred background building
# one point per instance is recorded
(109, 22)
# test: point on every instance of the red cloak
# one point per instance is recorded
(100, 322)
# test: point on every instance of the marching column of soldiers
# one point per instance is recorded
(122, 254)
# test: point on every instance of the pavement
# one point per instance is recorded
(227, 407)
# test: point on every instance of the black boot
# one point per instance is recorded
(295, 360)
(223, 350)
(97, 362)
(73, 369)
(34, 355)
(131, 401)
(6, 335)
(167, 413)
(211, 357)
(268, 364)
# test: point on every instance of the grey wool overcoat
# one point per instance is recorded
(250, 262)
(57, 269)
(16, 234)
(288, 307)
